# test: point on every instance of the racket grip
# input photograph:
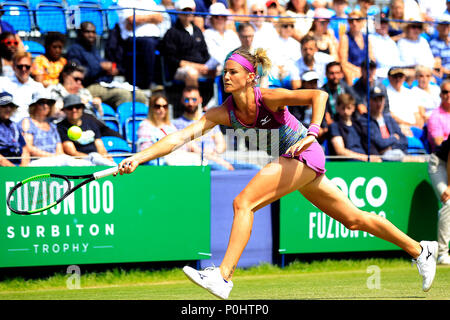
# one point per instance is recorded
(106, 172)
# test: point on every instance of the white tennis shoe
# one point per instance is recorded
(426, 263)
(210, 279)
(444, 259)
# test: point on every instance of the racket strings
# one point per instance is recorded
(38, 193)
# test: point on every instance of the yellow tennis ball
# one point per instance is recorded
(74, 133)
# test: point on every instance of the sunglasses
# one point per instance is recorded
(71, 108)
(159, 106)
(10, 42)
(287, 26)
(445, 92)
(258, 11)
(416, 26)
(186, 100)
(23, 66)
(187, 10)
(77, 79)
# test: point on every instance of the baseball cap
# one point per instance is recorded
(72, 100)
(183, 4)
(377, 91)
(310, 76)
(7, 99)
(395, 70)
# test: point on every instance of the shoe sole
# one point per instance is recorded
(199, 285)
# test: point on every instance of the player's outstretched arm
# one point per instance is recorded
(174, 140)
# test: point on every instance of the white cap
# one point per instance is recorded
(183, 4)
(310, 76)
(219, 9)
(42, 95)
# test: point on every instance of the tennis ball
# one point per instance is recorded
(74, 133)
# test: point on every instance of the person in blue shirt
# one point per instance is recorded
(346, 134)
(98, 70)
(386, 137)
(12, 143)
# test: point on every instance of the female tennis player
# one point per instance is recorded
(300, 166)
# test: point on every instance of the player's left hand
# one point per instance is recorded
(300, 146)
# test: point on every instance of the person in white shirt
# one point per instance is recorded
(385, 50)
(426, 93)
(22, 86)
(265, 32)
(311, 60)
(219, 40)
(284, 53)
(404, 109)
(413, 48)
(151, 23)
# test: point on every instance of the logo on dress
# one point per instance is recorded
(265, 120)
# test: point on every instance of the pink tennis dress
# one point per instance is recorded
(281, 130)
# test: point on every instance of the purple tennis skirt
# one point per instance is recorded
(313, 157)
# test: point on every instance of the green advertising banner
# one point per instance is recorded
(154, 214)
(400, 192)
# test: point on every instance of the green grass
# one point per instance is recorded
(330, 279)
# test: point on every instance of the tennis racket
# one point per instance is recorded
(44, 191)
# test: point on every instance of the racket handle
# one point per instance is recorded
(106, 172)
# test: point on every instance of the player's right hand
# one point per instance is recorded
(128, 165)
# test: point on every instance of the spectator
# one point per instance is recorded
(147, 34)
(325, 39)
(71, 82)
(439, 121)
(396, 15)
(211, 145)
(90, 145)
(413, 48)
(385, 50)
(335, 86)
(386, 137)
(274, 9)
(156, 126)
(8, 47)
(339, 23)
(440, 46)
(283, 53)
(185, 50)
(22, 86)
(42, 137)
(265, 32)
(303, 13)
(99, 73)
(311, 60)
(238, 8)
(426, 93)
(367, 8)
(352, 48)
(246, 34)
(12, 143)
(403, 107)
(345, 134)
(220, 40)
(6, 27)
(360, 87)
(46, 67)
(439, 172)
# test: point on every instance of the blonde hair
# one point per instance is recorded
(20, 55)
(259, 60)
(152, 101)
(423, 69)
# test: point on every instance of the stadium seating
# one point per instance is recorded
(114, 146)
(125, 112)
(111, 15)
(35, 48)
(50, 15)
(110, 118)
(18, 14)
(89, 10)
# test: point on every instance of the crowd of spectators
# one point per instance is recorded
(400, 55)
